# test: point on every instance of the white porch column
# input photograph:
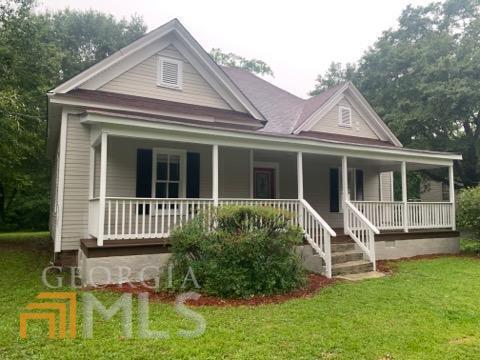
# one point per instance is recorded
(451, 192)
(103, 188)
(300, 175)
(345, 194)
(215, 175)
(404, 195)
(91, 178)
(251, 155)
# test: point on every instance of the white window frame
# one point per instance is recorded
(445, 191)
(182, 154)
(340, 117)
(160, 82)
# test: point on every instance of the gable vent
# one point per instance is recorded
(344, 116)
(170, 73)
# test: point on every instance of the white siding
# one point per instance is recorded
(122, 165)
(329, 123)
(75, 201)
(234, 173)
(141, 80)
(433, 192)
(52, 225)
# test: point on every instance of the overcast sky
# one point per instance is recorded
(297, 38)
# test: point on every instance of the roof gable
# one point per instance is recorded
(157, 40)
(320, 114)
(141, 80)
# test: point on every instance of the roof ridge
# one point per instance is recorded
(263, 80)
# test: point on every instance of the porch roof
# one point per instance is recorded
(142, 126)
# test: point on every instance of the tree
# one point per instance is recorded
(423, 79)
(37, 52)
(336, 74)
(253, 65)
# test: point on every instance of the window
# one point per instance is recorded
(445, 192)
(355, 186)
(169, 170)
(169, 73)
(344, 116)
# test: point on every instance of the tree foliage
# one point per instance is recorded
(423, 78)
(253, 65)
(37, 52)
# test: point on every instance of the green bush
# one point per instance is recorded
(249, 252)
(469, 210)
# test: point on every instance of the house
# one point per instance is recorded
(145, 139)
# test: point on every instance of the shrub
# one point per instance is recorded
(469, 210)
(249, 252)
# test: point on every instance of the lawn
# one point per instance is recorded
(428, 310)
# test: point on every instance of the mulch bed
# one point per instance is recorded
(314, 284)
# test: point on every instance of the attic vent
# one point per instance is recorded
(344, 116)
(169, 73)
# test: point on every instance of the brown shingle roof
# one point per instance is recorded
(149, 104)
(283, 110)
(278, 106)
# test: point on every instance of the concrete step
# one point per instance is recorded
(314, 264)
(342, 247)
(352, 267)
(346, 256)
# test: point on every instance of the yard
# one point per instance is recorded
(428, 310)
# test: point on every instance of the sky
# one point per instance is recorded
(297, 38)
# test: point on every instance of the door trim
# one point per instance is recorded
(268, 165)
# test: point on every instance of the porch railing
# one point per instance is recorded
(288, 205)
(361, 230)
(143, 218)
(385, 215)
(317, 232)
(427, 215)
(389, 215)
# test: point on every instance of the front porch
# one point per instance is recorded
(143, 188)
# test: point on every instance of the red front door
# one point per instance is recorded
(264, 183)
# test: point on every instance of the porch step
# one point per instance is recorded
(342, 247)
(352, 267)
(346, 256)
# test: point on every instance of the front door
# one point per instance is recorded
(264, 183)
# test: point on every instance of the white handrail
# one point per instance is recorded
(317, 232)
(364, 219)
(361, 230)
(318, 217)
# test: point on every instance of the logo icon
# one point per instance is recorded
(50, 312)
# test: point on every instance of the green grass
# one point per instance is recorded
(22, 236)
(428, 310)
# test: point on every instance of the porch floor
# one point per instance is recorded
(161, 245)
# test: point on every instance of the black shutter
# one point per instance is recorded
(334, 195)
(144, 175)
(359, 185)
(193, 175)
